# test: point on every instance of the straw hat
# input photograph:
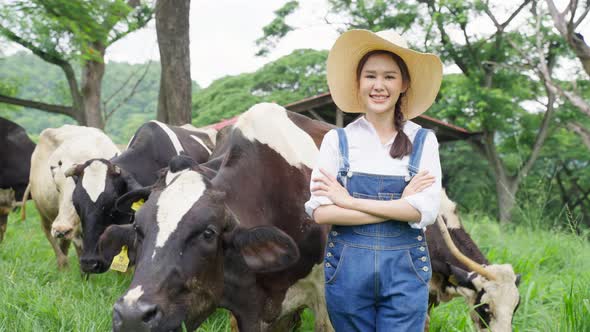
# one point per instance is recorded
(425, 70)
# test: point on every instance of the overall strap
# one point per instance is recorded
(344, 165)
(417, 147)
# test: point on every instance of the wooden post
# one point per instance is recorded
(315, 115)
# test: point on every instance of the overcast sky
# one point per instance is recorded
(223, 34)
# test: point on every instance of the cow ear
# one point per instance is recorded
(75, 171)
(460, 277)
(125, 203)
(264, 248)
(130, 181)
(209, 173)
(114, 238)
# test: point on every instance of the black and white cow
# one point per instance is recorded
(15, 162)
(232, 235)
(57, 150)
(100, 182)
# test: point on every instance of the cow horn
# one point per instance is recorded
(71, 171)
(471, 265)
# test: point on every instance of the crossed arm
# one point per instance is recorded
(348, 210)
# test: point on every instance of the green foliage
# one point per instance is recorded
(118, 82)
(66, 29)
(468, 179)
(276, 29)
(298, 75)
(376, 15)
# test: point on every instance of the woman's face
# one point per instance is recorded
(380, 84)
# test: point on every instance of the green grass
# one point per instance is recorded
(34, 296)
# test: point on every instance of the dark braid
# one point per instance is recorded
(402, 145)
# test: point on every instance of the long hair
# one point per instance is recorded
(402, 146)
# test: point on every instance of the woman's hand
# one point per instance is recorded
(419, 182)
(329, 186)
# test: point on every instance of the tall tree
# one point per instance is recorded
(172, 26)
(67, 33)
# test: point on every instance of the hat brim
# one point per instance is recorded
(425, 72)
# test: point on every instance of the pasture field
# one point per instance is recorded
(34, 296)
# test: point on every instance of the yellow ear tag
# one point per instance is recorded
(121, 261)
(136, 205)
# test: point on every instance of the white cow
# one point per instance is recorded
(58, 149)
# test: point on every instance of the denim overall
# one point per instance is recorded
(377, 275)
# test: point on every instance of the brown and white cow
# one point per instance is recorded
(232, 235)
(100, 182)
(15, 162)
(59, 149)
(459, 269)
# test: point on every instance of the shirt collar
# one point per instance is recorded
(409, 128)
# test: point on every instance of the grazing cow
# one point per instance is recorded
(233, 235)
(15, 161)
(59, 149)
(460, 269)
(100, 182)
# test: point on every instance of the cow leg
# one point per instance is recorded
(3, 224)
(233, 323)
(64, 246)
(62, 260)
(78, 246)
(308, 292)
(320, 310)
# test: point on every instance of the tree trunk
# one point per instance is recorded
(172, 27)
(162, 114)
(92, 75)
(506, 192)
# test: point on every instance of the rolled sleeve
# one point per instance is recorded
(427, 202)
(327, 160)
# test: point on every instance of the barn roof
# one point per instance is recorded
(322, 107)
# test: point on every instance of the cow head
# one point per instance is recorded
(494, 301)
(67, 222)
(98, 185)
(491, 289)
(183, 238)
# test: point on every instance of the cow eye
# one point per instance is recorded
(208, 233)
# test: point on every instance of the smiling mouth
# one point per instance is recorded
(379, 98)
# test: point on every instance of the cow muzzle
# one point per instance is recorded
(93, 265)
(138, 316)
(62, 232)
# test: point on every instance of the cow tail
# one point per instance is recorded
(23, 210)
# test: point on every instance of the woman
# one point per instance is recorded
(378, 183)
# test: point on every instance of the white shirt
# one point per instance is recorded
(366, 154)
